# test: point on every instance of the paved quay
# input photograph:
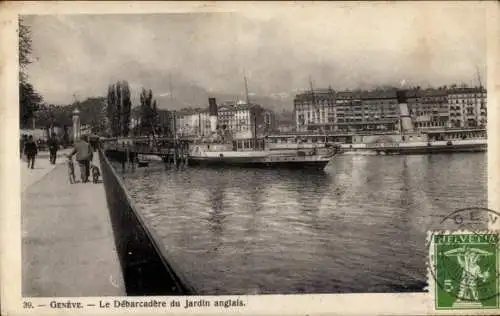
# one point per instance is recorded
(68, 245)
(42, 167)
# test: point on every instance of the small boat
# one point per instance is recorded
(220, 154)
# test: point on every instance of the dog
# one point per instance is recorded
(71, 170)
(96, 173)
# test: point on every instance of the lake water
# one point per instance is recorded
(358, 227)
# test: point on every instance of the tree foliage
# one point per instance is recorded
(126, 108)
(25, 48)
(29, 102)
(148, 113)
(118, 109)
(91, 113)
(29, 99)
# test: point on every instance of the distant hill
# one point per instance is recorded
(285, 117)
(199, 98)
(186, 93)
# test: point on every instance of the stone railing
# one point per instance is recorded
(144, 261)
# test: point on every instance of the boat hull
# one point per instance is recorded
(438, 149)
(318, 165)
(418, 148)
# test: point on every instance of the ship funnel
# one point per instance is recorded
(212, 112)
(406, 123)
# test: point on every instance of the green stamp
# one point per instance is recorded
(465, 270)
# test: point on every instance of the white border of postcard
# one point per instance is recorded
(335, 304)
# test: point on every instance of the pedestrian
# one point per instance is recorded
(53, 145)
(30, 150)
(84, 155)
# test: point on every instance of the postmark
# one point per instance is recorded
(471, 219)
(464, 260)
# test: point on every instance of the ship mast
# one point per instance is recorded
(479, 78)
(170, 86)
(312, 91)
(313, 99)
(253, 113)
(246, 90)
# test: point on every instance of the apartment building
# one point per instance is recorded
(192, 122)
(326, 110)
(314, 110)
(467, 107)
(243, 120)
(238, 118)
(379, 111)
(429, 108)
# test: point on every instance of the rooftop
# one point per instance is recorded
(466, 90)
(387, 93)
(237, 106)
(190, 111)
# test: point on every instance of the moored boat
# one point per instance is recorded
(226, 149)
(217, 154)
(462, 141)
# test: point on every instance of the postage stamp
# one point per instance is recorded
(464, 269)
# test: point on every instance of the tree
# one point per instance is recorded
(91, 113)
(119, 108)
(126, 108)
(111, 109)
(29, 102)
(45, 117)
(29, 99)
(148, 112)
(155, 117)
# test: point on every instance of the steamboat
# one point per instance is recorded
(224, 149)
(227, 154)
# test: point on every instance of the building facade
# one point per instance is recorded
(429, 108)
(192, 122)
(314, 110)
(379, 110)
(236, 118)
(244, 120)
(270, 122)
(467, 107)
(327, 110)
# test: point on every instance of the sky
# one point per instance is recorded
(347, 46)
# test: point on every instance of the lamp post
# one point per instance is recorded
(76, 125)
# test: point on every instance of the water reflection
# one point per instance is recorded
(359, 226)
(215, 213)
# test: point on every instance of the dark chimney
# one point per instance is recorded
(401, 96)
(212, 107)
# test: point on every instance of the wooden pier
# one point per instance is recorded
(127, 152)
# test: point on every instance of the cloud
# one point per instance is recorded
(345, 46)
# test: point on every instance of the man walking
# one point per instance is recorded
(84, 154)
(30, 150)
(53, 145)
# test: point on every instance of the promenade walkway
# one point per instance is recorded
(42, 167)
(68, 245)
